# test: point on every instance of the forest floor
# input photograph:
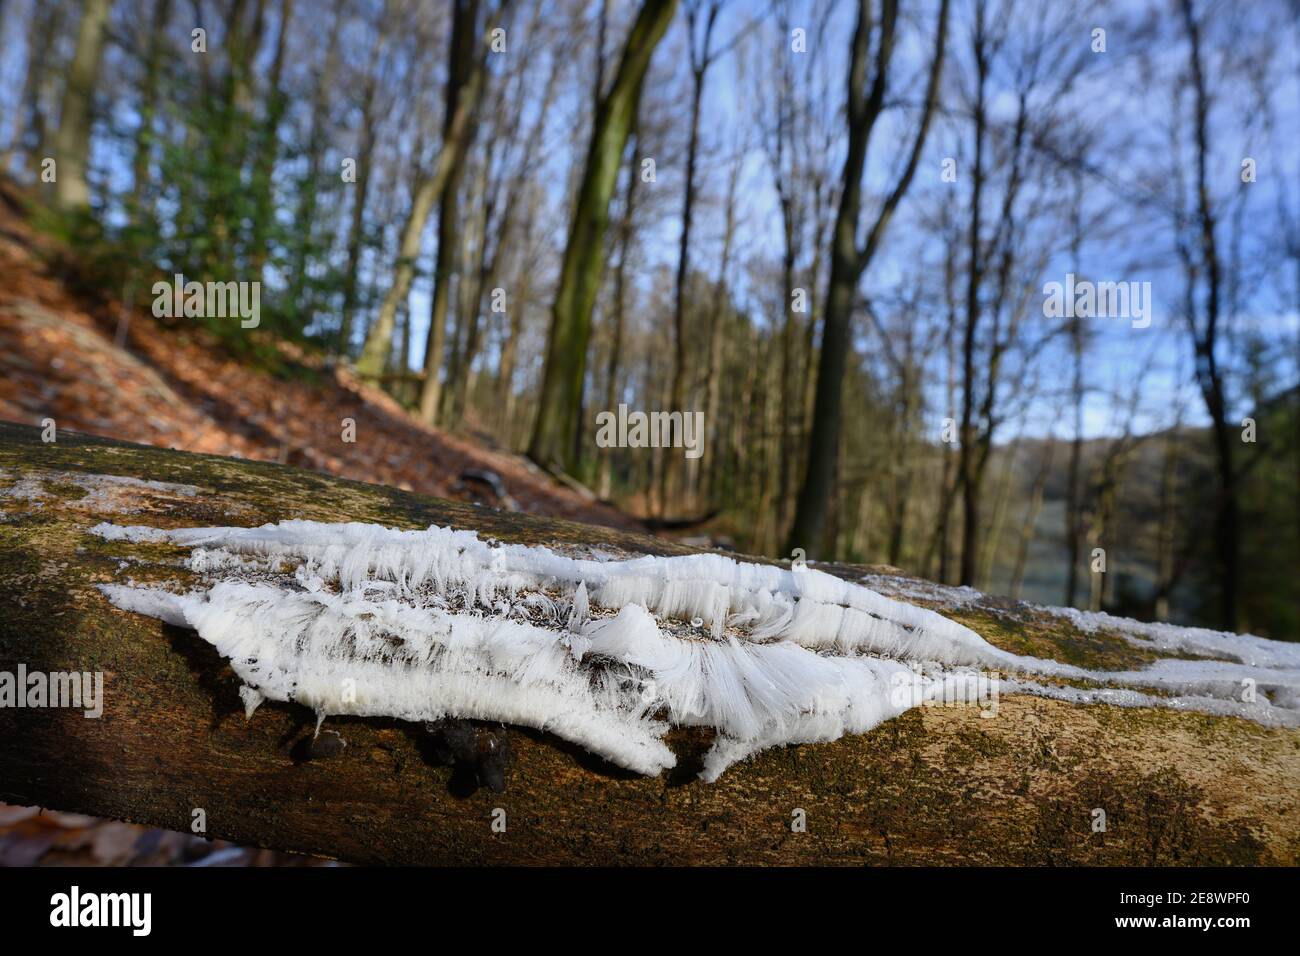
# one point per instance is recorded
(180, 389)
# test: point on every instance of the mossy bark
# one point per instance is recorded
(938, 785)
(560, 399)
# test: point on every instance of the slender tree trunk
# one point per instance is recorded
(29, 117)
(356, 229)
(626, 232)
(809, 394)
(400, 365)
(939, 539)
(428, 190)
(998, 520)
(435, 343)
(264, 167)
(228, 141)
(1072, 502)
(475, 249)
(699, 73)
(1168, 522)
(559, 402)
(510, 348)
(786, 413)
(848, 262)
(72, 143)
(144, 135)
(717, 323)
(1227, 533)
(969, 476)
(1031, 517)
(303, 302)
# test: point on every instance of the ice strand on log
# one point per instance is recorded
(361, 619)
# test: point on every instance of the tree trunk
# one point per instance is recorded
(848, 261)
(1177, 787)
(302, 301)
(510, 348)
(264, 167)
(361, 190)
(975, 267)
(717, 325)
(699, 74)
(72, 143)
(1166, 574)
(1031, 517)
(560, 398)
(1205, 337)
(627, 229)
(30, 121)
(435, 342)
(993, 531)
(144, 135)
(428, 190)
(1073, 504)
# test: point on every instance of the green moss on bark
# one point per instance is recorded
(937, 785)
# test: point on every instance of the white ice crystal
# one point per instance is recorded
(419, 625)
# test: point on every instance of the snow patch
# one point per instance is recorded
(1171, 638)
(912, 589)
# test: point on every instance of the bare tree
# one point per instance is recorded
(848, 260)
(72, 143)
(560, 400)
(1203, 267)
(463, 91)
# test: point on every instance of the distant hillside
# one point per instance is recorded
(1135, 577)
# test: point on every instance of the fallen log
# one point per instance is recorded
(937, 785)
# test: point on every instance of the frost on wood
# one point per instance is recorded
(102, 493)
(422, 625)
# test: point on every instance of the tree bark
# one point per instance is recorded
(144, 136)
(848, 261)
(428, 190)
(717, 326)
(30, 131)
(263, 179)
(936, 786)
(626, 232)
(454, 242)
(435, 341)
(700, 64)
(560, 398)
(1205, 336)
(72, 143)
(969, 474)
(347, 316)
(506, 400)
(1030, 522)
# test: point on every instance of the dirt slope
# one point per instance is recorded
(175, 388)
